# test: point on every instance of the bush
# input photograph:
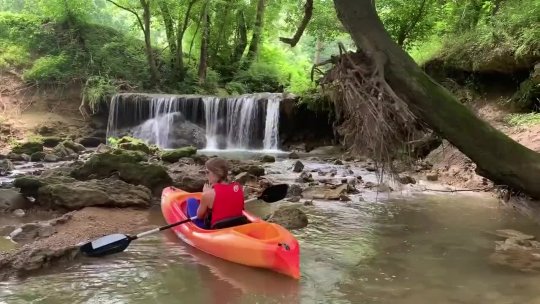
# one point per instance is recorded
(98, 90)
(49, 68)
(260, 77)
(12, 55)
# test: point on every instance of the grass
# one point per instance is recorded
(520, 119)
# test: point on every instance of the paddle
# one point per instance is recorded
(117, 242)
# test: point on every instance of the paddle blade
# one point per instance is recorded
(274, 193)
(106, 245)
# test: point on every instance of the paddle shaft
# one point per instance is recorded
(175, 224)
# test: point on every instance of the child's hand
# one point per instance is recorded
(206, 187)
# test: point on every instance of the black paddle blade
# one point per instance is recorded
(106, 245)
(274, 193)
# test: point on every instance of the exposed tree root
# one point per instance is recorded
(376, 121)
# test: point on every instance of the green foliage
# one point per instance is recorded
(49, 68)
(12, 55)
(260, 77)
(97, 90)
(523, 119)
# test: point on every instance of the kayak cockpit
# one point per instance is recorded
(261, 231)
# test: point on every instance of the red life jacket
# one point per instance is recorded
(228, 202)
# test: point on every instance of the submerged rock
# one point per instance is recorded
(519, 251)
(288, 217)
(6, 166)
(294, 190)
(293, 155)
(268, 159)
(322, 192)
(28, 147)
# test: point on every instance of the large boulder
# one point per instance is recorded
(128, 168)
(255, 170)
(29, 185)
(108, 192)
(190, 178)
(288, 217)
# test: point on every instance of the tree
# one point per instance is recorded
(257, 33)
(176, 21)
(144, 24)
(399, 79)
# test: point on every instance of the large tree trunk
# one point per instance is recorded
(497, 157)
(253, 50)
(241, 38)
(180, 31)
(148, 42)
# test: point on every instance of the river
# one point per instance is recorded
(421, 248)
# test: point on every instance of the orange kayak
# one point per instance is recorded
(257, 244)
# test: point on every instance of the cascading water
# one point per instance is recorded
(271, 127)
(246, 122)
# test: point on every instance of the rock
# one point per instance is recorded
(322, 192)
(288, 217)
(188, 178)
(294, 190)
(62, 151)
(370, 167)
(108, 192)
(327, 150)
(244, 178)
(200, 159)
(517, 253)
(51, 158)
(384, 188)
(510, 233)
(77, 148)
(29, 147)
(433, 176)
(12, 200)
(31, 231)
(369, 185)
(344, 198)
(36, 258)
(90, 142)
(268, 159)
(51, 142)
(6, 166)
(338, 162)
(126, 165)
(37, 156)
(305, 177)
(14, 157)
(6, 230)
(251, 169)
(294, 199)
(19, 213)
(102, 148)
(406, 180)
(172, 156)
(29, 185)
(308, 203)
(298, 166)
(293, 155)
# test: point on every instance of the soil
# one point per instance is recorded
(24, 108)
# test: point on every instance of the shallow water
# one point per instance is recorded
(423, 249)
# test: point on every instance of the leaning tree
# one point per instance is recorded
(386, 99)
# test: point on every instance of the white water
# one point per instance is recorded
(271, 127)
(233, 123)
(211, 113)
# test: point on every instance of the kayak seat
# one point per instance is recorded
(231, 222)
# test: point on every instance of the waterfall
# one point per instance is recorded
(271, 126)
(245, 122)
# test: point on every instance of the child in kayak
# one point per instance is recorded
(220, 199)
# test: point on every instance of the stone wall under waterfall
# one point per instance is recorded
(171, 121)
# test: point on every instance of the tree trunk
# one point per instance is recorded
(241, 43)
(407, 28)
(203, 59)
(170, 33)
(148, 42)
(180, 31)
(497, 157)
(253, 50)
